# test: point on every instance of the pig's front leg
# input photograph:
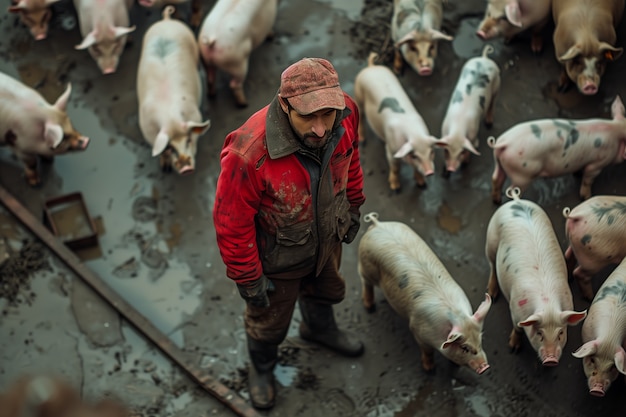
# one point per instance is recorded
(394, 175)
(31, 172)
(419, 178)
(493, 289)
(589, 174)
(236, 86)
(368, 297)
(398, 62)
(515, 339)
(428, 357)
(564, 82)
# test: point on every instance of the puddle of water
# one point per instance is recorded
(351, 7)
(285, 375)
(446, 220)
(465, 43)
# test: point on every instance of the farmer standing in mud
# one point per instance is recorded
(288, 195)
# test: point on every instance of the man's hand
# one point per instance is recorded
(255, 292)
(355, 224)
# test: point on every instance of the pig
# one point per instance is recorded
(104, 27)
(596, 232)
(393, 118)
(473, 98)
(196, 8)
(584, 38)
(420, 289)
(416, 32)
(169, 93)
(32, 127)
(528, 267)
(508, 18)
(35, 14)
(227, 36)
(50, 396)
(604, 334)
(555, 147)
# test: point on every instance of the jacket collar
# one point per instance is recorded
(279, 136)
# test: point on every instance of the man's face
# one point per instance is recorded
(313, 129)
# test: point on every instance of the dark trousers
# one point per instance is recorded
(270, 325)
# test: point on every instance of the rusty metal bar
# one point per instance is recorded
(224, 394)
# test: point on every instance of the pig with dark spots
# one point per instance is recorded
(48, 396)
(604, 334)
(596, 232)
(35, 14)
(508, 18)
(32, 127)
(472, 99)
(555, 147)
(393, 118)
(584, 40)
(104, 27)
(416, 32)
(227, 36)
(169, 93)
(528, 267)
(420, 289)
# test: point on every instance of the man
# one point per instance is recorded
(288, 195)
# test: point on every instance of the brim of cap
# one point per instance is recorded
(326, 98)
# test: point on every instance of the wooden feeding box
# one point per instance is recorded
(68, 219)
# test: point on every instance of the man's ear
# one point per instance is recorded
(283, 104)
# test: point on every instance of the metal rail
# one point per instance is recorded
(224, 394)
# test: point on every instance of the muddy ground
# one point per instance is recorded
(156, 243)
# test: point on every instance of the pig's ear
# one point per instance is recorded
(452, 338)
(467, 145)
(513, 13)
(199, 128)
(403, 151)
(610, 52)
(573, 317)
(530, 321)
(571, 53)
(53, 134)
(483, 309)
(619, 361)
(406, 38)
(16, 8)
(160, 143)
(588, 349)
(120, 31)
(61, 102)
(617, 108)
(437, 35)
(88, 41)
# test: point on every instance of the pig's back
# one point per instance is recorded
(376, 83)
(607, 313)
(13, 93)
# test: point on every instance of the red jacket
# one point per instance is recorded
(266, 216)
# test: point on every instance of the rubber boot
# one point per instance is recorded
(261, 386)
(318, 325)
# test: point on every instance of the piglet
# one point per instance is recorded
(473, 98)
(508, 18)
(555, 147)
(393, 118)
(419, 288)
(104, 26)
(169, 93)
(416, 32)
(596, 231)
(229, 33)
(48, 396)
(32, 127)
(35, 14)
(584, 39)
(604, 334)
(528, 267)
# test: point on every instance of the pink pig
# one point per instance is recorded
(419, 288)
(393, 118)
(507, 18)
(604, 334)
(229, 33)
(32, 127)
(555, 147)
(104, 26)
(169, 93)
(416, 32)
(35, 14)
(596, 230)
(472, 98)
(527, 265)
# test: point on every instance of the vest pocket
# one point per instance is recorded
(293, 247)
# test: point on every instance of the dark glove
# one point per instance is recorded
(355, 224)
(255, 292)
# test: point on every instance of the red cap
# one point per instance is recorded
(311, 84)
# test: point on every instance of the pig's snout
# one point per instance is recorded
(589, 88)
(481, 34)
(109, 70)
(186, 170)
(482, 368)
(550, 360)
(40, 36)
(425, 71)
(597, 390)
(83, 142)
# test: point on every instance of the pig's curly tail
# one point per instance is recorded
(491, 141)
(371, 217)
(371, 59)
(168, 12)
(566, 212)
(513, 193)
(487, 50)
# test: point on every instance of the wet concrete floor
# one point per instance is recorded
(157, 242)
